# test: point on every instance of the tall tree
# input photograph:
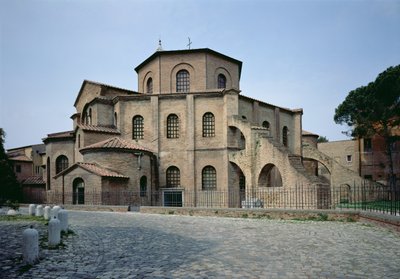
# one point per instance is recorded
(10, 188)
(375, 110)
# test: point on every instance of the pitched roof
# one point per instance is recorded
(34, 180)
(60, 136)
(102, 129)
(23, 158)
(306, 133)
(115, 143)
(100, 171)
(93, 168)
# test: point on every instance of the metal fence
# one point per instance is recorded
(364, 197)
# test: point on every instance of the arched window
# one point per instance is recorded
(208, 125)
(266, 125)
(172, 126)
(115, 119)
(183, 81)
(48, 176)
(173, 177)
(149, 86)
(221, 81)
(143, 186)
(137, 127)
(78, 191)
(209, 178)
(285, 136)
(61, 163)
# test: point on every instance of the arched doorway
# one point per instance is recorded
(238, 180)
(78, 193)
(270, 176)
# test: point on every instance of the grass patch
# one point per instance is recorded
(24, 268)
(245, 215)
(375, 205)
(171, 212)
(16, 218)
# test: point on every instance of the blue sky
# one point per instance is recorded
(295, 54)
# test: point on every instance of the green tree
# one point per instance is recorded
(10, 188)
(375, 110)
(322, 139)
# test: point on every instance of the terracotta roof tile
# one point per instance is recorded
(20, 158)
(34, 180)
(102, 129)
(100, 171)
(115, 143)
(61, 134)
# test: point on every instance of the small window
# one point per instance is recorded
(182, 81)
(285, 136)
(173, 177)
(137, 131)
(143, 186)
(266, 125)
(61, 163)
(221, 81)
(89, 117)
(79, 141)
(18, 168)
(172, 126)
(209, 178)
(349, 158)
(208, 125)
(149, 86)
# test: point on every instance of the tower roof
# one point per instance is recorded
(115, 143)
(187, 51)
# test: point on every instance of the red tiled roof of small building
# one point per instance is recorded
(34, 180)
(115, 143)
(100, 171)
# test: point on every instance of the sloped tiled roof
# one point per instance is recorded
(20, 158)
(115, 143)
(306, 133)
(100, 171)
(101, 129)
(34, 180)
(60, 136)
(93, 168)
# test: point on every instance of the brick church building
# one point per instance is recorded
(187, 134)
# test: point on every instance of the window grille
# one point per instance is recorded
(208, 125)
(182, 81)
(172, 126)
(209, 178)
(137, 131)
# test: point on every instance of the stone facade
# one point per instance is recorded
(187, 130)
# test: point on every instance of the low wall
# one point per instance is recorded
(283, 214)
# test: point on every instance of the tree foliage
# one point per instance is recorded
(10, 189)
(322, 139)
(374, 109)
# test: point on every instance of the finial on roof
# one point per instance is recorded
(190, 43)
(159, 45)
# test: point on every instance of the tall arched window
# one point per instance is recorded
(266, 125)
(285, 136)
(115, 119)
(208, 125)
(172, 126)
(183, 81)
(61, 163)
(48, 176)
(143, 186)
(221, 81)
(78, 191)
(137, 127)
(209, 178)
(149, 86)
(173, 177)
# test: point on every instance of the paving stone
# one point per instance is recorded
(134, 245)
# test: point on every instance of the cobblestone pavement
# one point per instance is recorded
(134, 245)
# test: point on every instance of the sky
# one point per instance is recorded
(295, 54)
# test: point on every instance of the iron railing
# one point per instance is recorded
(363, 197)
